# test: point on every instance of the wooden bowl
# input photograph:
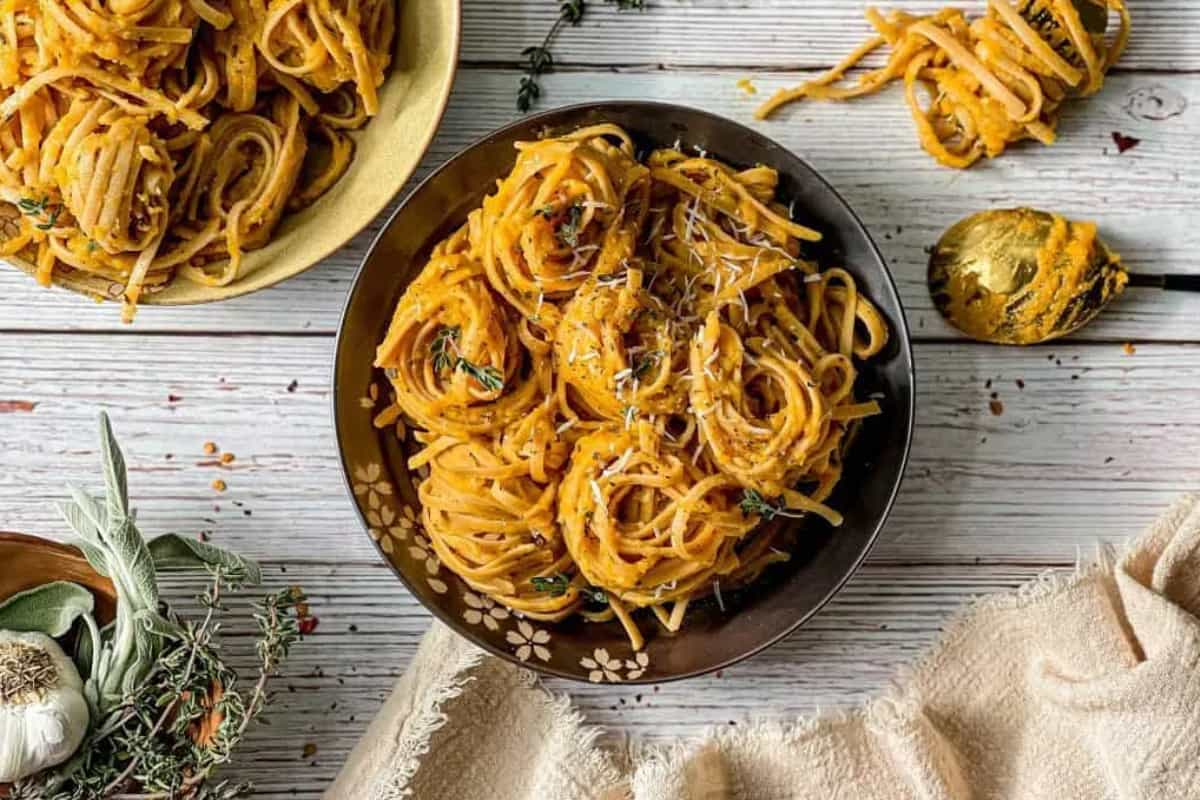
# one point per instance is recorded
(30, 561)
(387, 151)
(374, 461)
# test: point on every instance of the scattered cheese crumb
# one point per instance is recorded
(1129, 348)
(219, 485)
(210, 448)
(746, 86)
(227, 458)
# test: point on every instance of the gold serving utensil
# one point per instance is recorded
(1023, 276)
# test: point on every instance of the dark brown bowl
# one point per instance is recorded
(787, 595)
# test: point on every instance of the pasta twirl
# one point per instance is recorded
(619, 370)
(145, 139)
(976, 86)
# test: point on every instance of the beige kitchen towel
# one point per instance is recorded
(1081, 685)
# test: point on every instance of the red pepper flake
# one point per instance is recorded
(308, 624)
(1020, 383)
(12, 406)
(291, 387)
(1124, 142)
(997, 407)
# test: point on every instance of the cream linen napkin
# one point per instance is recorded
(1084, 685)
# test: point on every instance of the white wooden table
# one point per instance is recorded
(1092, 446)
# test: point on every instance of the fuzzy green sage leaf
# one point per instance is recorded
(172, 552)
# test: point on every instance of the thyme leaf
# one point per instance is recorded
(440, 348)
(444, 349)
(37, 208)
(488, 377)
(568, 230)
(647, 362)
(555, 585)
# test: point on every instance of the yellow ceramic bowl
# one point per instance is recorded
(387, 152)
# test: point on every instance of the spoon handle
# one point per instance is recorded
(1178, 283)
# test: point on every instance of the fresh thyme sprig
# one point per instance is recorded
(443, 343)
(37, 208)
(488, 377)
(555, 585)
(538, 60)
(754, 503)
(444, 349)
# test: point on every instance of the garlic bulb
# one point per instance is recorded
(43, 716)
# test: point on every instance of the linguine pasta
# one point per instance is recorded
(977, 86)
(619, 370)
(144, 139)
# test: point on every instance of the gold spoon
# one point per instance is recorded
(1023, 276)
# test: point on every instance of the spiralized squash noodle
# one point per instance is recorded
(145, 139)
(618, 369)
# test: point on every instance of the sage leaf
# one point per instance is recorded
(172, 552)
(115, 477)
(51, 608)
(86, 642)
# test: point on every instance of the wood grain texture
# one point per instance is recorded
(370, 627)
(1090, 449)
(1143, 199)
(773, 33)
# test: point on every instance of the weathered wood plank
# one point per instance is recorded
(1091, 448)
(370, 627)
(1144, 198)
(774, 33)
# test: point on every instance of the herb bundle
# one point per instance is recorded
(538, 60)
(166, 710)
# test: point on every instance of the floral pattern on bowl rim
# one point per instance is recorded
(394, 524)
